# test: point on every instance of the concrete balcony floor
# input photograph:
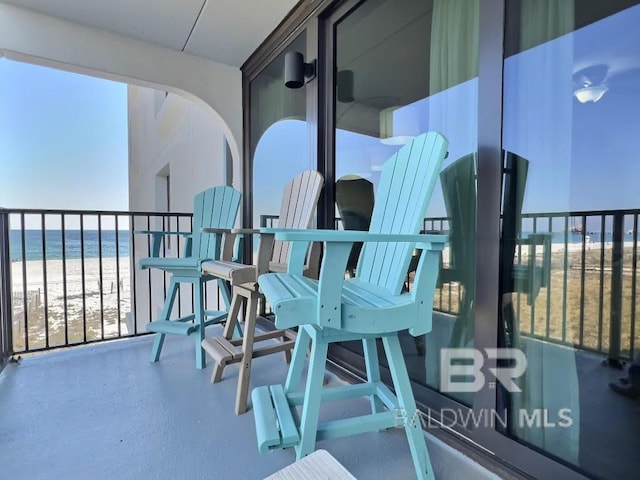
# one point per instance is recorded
(104, 412)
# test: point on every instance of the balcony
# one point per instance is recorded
(103, 411)
(84, 400)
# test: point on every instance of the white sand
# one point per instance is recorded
(56, 289)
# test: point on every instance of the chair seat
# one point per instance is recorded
(236, 273)
(364, 306)
(170, 263)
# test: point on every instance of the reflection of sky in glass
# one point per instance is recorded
(452, 112)
(281, 154)
(583, 156)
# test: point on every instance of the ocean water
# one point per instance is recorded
(93, 243)
(53, 243)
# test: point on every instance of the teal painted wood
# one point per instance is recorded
(213, 208)
(404, 191)
(364, 308)
(266, 420)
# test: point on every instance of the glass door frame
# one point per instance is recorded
(485, 443)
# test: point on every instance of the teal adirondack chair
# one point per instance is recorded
(458, 182)
(368, 307)
(215, 208)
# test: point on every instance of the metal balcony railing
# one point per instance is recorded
(70, 277)
(78, 283)
(592, 300)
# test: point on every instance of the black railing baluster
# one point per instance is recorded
(601, 289)
(615, 320)
(132, 269)
(25, 305)
(101, 277)
(582, 281)
(45, 299)
(64, 279)
(82, 275)
(149, 270)
(634, 279)
(6, 293)
(565, 278)
(548, 299)
(117, 240)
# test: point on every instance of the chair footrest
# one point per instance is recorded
(275, 426)
(173, 327)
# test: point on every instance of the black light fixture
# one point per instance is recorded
(296, 71)
(344, 86)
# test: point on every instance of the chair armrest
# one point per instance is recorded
(246, 231)
(215, 230)
(436, 242)
(158, 235)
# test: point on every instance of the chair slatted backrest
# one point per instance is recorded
(458, 182)
(406, 185)
(514, 180)
(216, 207)
(299, 201)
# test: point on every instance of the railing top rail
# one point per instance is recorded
(586, 213)
(37, 211)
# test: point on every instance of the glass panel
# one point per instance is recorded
(570, 229)
(404, 68)
(280, 137)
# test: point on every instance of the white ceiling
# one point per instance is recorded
(225, 31)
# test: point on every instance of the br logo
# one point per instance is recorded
(468, 363)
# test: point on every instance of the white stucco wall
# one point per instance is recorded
(169, 136)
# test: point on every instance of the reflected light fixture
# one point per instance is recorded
(591, 93)
(344, 86)
(591, 83)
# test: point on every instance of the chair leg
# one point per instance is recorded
(247, 355)
(294, 375)
(373, 371)
(407, 404)
(225, 290)
(164, 315)
(199, 312)
(312, 399)
(229, 329)
(232, 315)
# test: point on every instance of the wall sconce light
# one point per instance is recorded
(296, 71)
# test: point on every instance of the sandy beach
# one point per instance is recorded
(95, 299)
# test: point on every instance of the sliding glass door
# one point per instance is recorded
(539, 100)
(569, 297)
(402, 68)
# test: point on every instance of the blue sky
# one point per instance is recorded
(63, 140)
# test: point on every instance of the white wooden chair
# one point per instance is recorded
(297, 210)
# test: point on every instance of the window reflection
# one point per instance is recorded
(404, 68)
(571, 107)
